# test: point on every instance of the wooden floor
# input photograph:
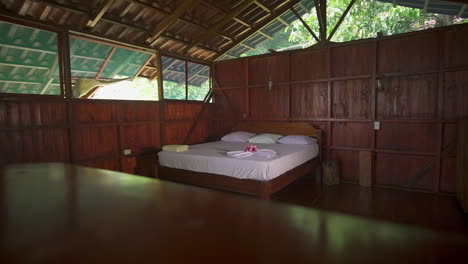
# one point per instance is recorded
(440, 212)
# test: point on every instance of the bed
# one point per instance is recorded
(207, 164)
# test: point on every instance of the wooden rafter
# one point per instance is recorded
(218, 25)
(143, 66)
(100, 11)
(305, 24)
(104, 64)
(262, 6)
(275, 13)
(345, 13)
(221, 9)
(121, 23)
(166, 23)
(45, 12)
(160, 10)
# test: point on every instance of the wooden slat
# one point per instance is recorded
(276, 13)
(104, 5)
(168, 21)
(218, 25)
(103, 66)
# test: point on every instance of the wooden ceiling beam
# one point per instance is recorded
(100, 11)
(275, 13)
(45, 12)
(182, 19)
(262, 6)
(223, 10)
(24, 6)
(121, 23)
(166, 23)
(218, 25)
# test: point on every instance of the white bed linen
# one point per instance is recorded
(212, 158)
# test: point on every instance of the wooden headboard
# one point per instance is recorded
(283, 128)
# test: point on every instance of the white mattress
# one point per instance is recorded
(212, 158)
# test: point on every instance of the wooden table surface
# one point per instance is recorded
(56, 213)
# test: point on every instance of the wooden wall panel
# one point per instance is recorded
(32, 113)
(349, 164)
(448, 175)
(38, 145)
(262, 69)
(237, 99)
(449, 139)
(409, 171)
(408, 97)
(95, 142)
(309, 100)
(200, 132)
(352, 60)
(415, 137)
(412, 53)
(269, 104)
(356, 135)
(220, 127)
(229, 74)
(137, 111)
(309, 65)
(351, 99)
(48, 114)
(93, 111)
(140, 138)
(175, 131)
(456, 95)
(181, 110)
(456, 41)
(107, 164)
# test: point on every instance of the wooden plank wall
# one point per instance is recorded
(92, 133)
(415, 84)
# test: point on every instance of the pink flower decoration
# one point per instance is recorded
(251, 148)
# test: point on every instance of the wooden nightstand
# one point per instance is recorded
(144, 164)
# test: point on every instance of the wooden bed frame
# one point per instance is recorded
(262, 189)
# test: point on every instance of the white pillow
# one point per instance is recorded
(265, 138)
(297, 139)
(238, 136)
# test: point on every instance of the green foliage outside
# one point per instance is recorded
(365, 19)
(138, 89)
(173, 90)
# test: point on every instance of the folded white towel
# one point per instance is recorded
(264, 153)
(239, 154)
